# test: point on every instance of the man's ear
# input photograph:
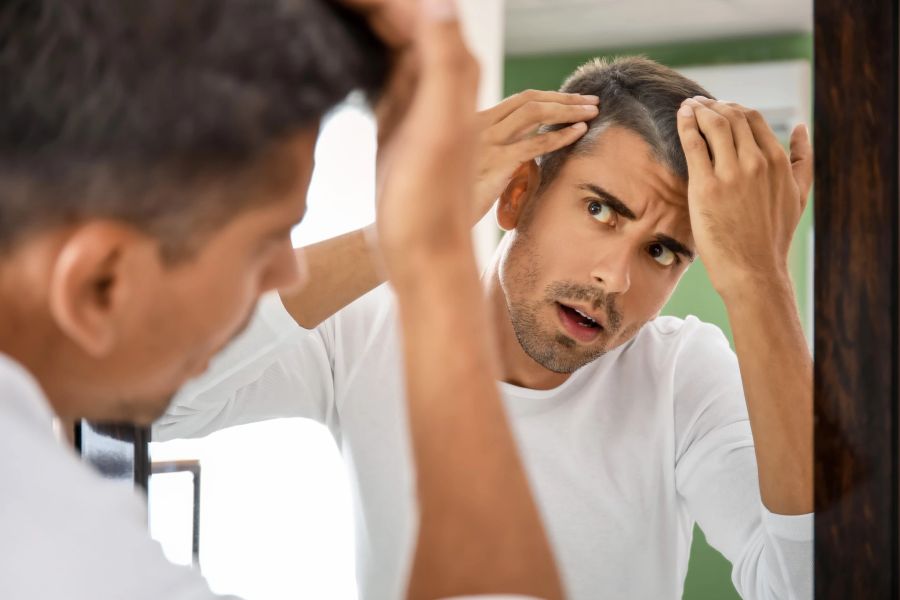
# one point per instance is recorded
(93, 280)
(522, 186)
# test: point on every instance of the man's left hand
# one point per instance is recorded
(745, 195)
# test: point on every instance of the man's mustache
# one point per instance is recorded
(596, 297)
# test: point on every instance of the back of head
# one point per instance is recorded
(637, 94)
(113, 108)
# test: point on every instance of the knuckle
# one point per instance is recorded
(717, 121)
(752, 114)
(695, 144)
(729, 177)
(756, 164)
(534, 110)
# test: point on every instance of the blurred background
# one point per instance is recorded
(274, 507)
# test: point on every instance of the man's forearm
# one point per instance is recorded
(776, 369)
(480, 531)
(342, 269)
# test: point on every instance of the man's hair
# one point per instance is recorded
(635, 93)
(125, 109)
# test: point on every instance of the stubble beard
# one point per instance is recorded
(553, 350)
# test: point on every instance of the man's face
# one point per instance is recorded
(171, 319)
(597, 254)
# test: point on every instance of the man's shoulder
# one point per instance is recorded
(679, 347)
(677, 332)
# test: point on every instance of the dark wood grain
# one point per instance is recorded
(856, 299)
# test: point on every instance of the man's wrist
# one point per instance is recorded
(741, 285)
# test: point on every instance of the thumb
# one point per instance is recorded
(802, 161)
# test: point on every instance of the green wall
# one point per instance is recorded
(709, 574)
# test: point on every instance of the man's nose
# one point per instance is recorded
(613, 271)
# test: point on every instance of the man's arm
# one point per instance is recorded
(480, 530)
(341, 270)
(346, 267)
(745, 205)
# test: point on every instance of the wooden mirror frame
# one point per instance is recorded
(857, 256)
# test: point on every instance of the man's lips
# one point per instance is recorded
(578, 323)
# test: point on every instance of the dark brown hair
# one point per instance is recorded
(125, 109)
(636, 93)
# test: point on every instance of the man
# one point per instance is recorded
(153, 154)
(633, 427)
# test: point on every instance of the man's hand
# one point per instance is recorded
(508, 136)
(745, 198)
(745, 195)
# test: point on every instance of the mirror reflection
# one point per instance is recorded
(616, 338)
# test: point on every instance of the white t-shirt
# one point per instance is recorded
(624, 457)
(66, 533)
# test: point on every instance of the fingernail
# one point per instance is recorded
(592, 108)
(591, 98)
(579, 125)
(440, 10)
(685, 111)
(700, 98)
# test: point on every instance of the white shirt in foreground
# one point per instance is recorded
(624, 457)
(66, 533)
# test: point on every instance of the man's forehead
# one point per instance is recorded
(620, 160)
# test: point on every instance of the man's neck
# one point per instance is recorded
(516, 367)
(26, 331)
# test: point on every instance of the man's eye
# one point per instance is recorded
(662, 255)
(601, 212)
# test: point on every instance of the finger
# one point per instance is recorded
(516, 101)
(543, 143)
(766, 138)
(530, 116)
(717, 131)
(744, 142)
(802, 161)
(696, 152)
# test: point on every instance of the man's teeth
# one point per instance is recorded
(584, 315)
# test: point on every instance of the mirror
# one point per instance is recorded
(277, 507)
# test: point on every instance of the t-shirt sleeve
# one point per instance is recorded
(716, 474)
(273, 369)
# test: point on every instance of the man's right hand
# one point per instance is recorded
(509, 135)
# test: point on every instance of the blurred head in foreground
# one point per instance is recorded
(154, 156)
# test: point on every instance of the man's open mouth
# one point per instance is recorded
(578, 324)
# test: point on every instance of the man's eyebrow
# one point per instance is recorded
(611, 201)
(619, 207)
(675, 246)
